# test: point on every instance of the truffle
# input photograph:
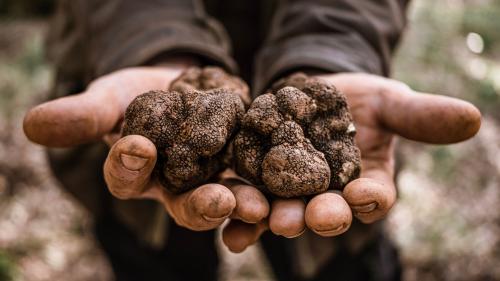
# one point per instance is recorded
(298, 139)
(191, 125)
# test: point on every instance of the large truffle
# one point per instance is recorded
(190, 125)
(298, 139)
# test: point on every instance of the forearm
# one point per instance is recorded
(330, 36)
(90, 38)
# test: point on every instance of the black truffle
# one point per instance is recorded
(190, 125)
(298, 139)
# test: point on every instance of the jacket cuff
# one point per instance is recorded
(313, 52)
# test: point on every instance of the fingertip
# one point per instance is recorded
(214, 202)
(238, 235)
(134, 147)
(471, 120)
(460, 121)
(370, 199)
(287, 217)
(128, 167)
(328, 214)
(29, 124)
(251, 205)
(60, 123)
(430, 118)
(234, 239)
(203, 208)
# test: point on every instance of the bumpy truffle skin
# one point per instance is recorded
(298, 139)
(190, 125)
(209, 78)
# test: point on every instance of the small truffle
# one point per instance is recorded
(191, 125)
(298, 139)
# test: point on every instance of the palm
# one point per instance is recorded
(383, 108)
(374, 141)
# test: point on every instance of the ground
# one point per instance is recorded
(446, 221)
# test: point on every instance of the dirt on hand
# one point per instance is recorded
(298, 139)
(191, 125)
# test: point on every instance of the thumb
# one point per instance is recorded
(88, 116)
(413, 115)
(428, 118)
(71, 120)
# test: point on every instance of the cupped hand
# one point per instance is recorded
(97, 114)
(382, 109)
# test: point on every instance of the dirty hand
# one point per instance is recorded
(382, 109)
(97, 114)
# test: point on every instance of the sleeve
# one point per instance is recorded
(330, 35)
(89, 38)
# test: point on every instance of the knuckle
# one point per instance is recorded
(390, 88)
(121, 193)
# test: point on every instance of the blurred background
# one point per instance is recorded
(447, 219)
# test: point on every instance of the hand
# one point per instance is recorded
(97, 114)
(382, 109)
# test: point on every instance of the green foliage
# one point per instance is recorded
(33, 57)
(483, 19)
(434, 56)
(22, 75)
(443, 161)
(486, 93)
(7, 267)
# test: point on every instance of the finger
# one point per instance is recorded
(251, 205)
(71, 120)
(202, 208)
(287, 217)
(238, 235)
(369, 199)
(328, 214)
(128, 167)
(428, 118)
(373, 195)
(88, 116)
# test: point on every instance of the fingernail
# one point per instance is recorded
(211, 219)
(237, 250)
(296, 235)
(336, 231)
(364, 208)
(132, 162)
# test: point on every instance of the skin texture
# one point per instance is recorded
(299, 139)
(190, 125)
(382, 109)
(290, 211)
(208, 78)
(328, 209)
